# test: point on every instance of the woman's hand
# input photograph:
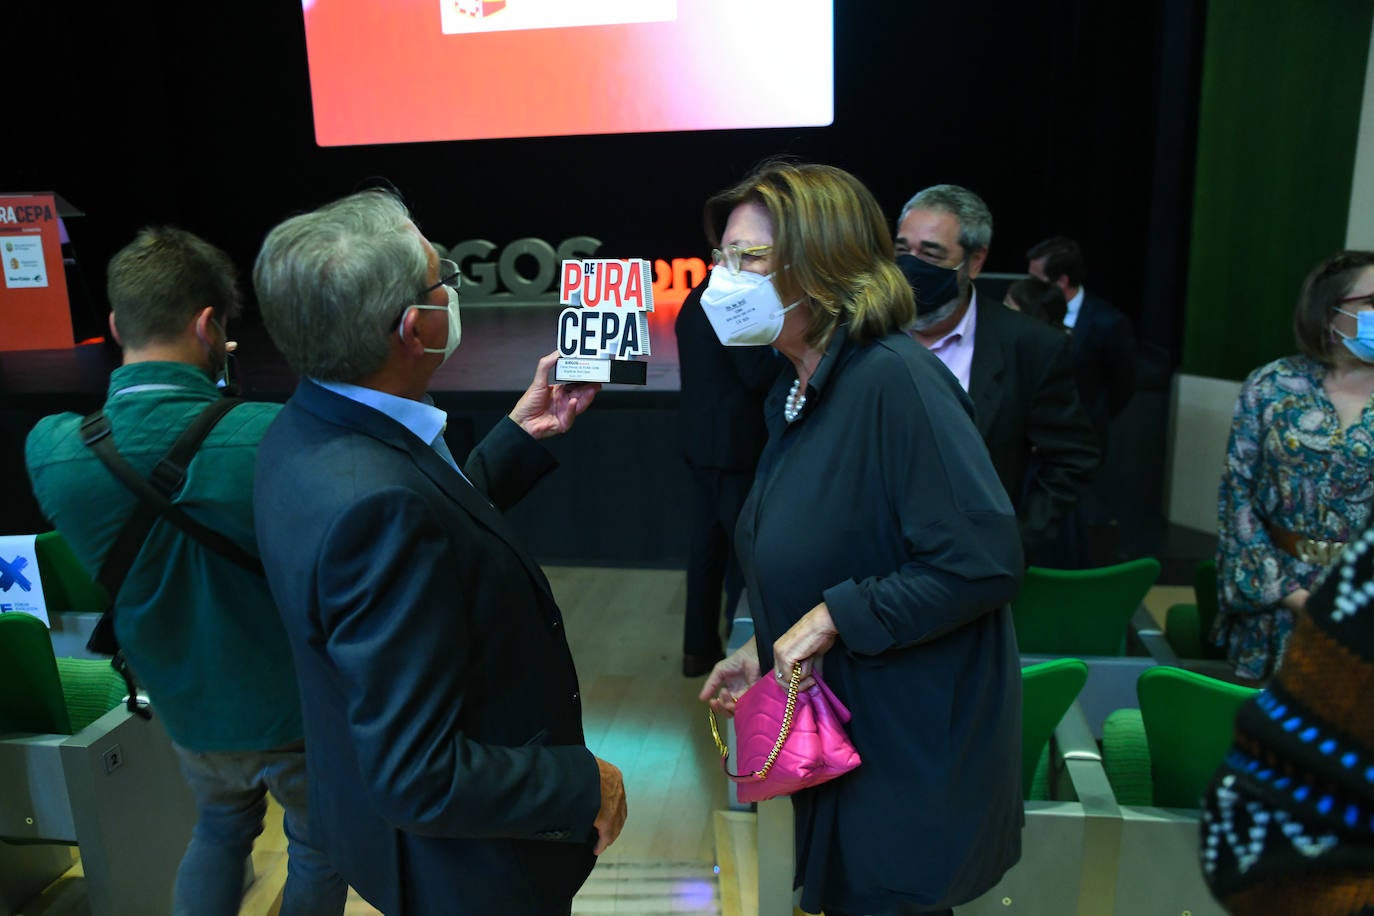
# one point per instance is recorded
(730, 678)
(804, 644)
(546, 410)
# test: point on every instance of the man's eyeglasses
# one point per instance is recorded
(1367, 299)
(733, 256)
(449, 275)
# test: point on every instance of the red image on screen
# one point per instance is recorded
(405, 71)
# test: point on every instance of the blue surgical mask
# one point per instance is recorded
(1362, 344)
(936, 289)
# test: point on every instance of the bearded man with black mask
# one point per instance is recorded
(1018, 371)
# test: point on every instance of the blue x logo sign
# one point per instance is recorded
(11, 576)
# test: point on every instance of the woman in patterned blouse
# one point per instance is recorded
(1299, 472)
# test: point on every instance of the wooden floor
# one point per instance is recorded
(624, 626)
(1160, 598)
(640, 713)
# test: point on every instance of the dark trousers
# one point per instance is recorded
(718, 494)
(1086, 536)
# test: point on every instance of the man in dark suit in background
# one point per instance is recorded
(722, 433)
(1103, 343)
(1104, 362)
(1017, 370)
(448, 771)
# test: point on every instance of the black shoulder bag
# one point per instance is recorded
(155, 502)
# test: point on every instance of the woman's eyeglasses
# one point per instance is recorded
(733, 257)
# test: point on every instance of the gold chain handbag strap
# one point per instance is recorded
(782, 732)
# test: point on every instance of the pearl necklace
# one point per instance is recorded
(796, 400)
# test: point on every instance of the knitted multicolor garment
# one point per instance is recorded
(1288, 821)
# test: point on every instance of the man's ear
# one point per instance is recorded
(975, 263)
(203, 324)
(114, 330)
(409, 334)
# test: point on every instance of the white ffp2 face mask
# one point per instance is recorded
(743, 308)
(455, 323)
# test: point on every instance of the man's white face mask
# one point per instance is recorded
(455, 323)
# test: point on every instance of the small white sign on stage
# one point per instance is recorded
(25, 264)
(21, 588)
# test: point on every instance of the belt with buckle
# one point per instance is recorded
(1309, 550)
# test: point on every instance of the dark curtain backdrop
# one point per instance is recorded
(200, 116)
(1282, 89)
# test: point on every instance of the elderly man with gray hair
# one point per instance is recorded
(448, 770)
(1018, 371)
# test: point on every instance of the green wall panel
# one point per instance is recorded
(1282, 87)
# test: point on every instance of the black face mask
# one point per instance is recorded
(933, 285)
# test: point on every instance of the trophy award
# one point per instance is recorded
(605, 322)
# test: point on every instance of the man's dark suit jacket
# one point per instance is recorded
(1026, 408)
(1104, 362)
(443, 727)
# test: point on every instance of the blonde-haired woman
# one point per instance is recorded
(878, 544)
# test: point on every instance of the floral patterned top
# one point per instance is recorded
(1289, 464)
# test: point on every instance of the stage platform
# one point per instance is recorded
(618, 497)
(500, 347)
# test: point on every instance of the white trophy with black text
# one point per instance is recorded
(605, 323)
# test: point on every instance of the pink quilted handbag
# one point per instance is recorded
(787, 739)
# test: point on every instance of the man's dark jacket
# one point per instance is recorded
(1026, 407)
(447, 767)
(1104, 362)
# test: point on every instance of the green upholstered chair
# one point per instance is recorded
(81, 770)
(66, 584)
(1079, 612)
(32, 700)
(47, 695)
(1048, 689)
(1186, 721)
(1176, 739)
(1187, 626)
(1126, 758)
(90, 686)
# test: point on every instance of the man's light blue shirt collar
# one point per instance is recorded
(426, 421)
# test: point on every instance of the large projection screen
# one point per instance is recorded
(404, 71)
